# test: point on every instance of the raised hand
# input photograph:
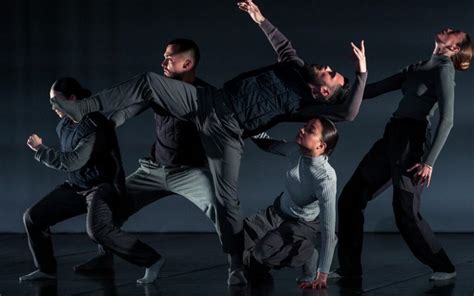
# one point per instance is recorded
(359, 53)
(34, 141)
(249, 7)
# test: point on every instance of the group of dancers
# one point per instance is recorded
(198, 148)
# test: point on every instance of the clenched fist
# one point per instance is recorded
(34, 141)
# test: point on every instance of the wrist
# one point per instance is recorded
(260, 20)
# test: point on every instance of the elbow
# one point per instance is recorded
(351, 116)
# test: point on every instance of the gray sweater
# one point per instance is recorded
(311, 187)
(425, 86)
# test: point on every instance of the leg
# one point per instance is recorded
(223, 145)
(414, 229)
(172, 96)
(146, 185)
(101, 228)
(195, 184)
(291, 244)
(59, 205)
(372, 173)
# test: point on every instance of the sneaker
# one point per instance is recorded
(442, 276)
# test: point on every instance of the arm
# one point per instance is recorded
(67, 161)
(445, 92)
(326, 193)
(279, 147)
(385, 85)
(345, 111)
(279, 42)
(444, 83)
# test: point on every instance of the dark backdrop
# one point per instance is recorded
(104, 42)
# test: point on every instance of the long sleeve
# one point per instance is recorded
(281, 44)
(389, 84)
(67, 161)
(444, 84)
(326, 193)
(344, 111)
(279, 147)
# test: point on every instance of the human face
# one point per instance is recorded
(53, 93)
(175, 64)
(326, 81)
(449, 38)
(310, 137)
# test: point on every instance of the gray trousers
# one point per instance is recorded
(218, 128)
(67, 201)
(274, 240)
(152, 182)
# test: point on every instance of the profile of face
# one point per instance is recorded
(449, 39)
(326, 80)
(176, 63)
(310, 138)
(53, 93)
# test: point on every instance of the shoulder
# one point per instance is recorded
(199, 83)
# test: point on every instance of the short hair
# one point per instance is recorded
(330, 135)
(340, 93)
(187, 45)
(462, 59)
(70, 86)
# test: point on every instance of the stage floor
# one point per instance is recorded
(196, 266)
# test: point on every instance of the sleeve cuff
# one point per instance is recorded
(41, 149)
(266, 26)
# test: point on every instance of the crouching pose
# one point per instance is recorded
(90, 156)
(300, 225)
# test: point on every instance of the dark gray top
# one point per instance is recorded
(425, 86)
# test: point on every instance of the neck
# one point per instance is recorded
(309, 153)
(189, 77)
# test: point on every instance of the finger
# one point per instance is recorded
(362, 46)
(429, 181)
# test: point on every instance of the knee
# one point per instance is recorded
(97, 233)
(29, 218)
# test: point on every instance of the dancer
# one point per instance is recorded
(90, 156)
(299, 228)
(290, 90)
(405, 156)
(177, 164)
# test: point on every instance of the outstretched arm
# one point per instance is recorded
(279, 42)
(349, 108)
(279, 147)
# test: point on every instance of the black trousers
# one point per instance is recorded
(403, 144)
(67, 201)
(275, 240)
(220, 133)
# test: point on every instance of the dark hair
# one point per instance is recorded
(69, 86)
(340, 93)
(185, 45)
(462, 59)
(329, 134)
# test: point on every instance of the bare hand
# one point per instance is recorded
(34, 141)
(249, 7)
(360, 55)
(422, 175)
(321, 282)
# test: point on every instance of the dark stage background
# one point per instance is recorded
(104, 42)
